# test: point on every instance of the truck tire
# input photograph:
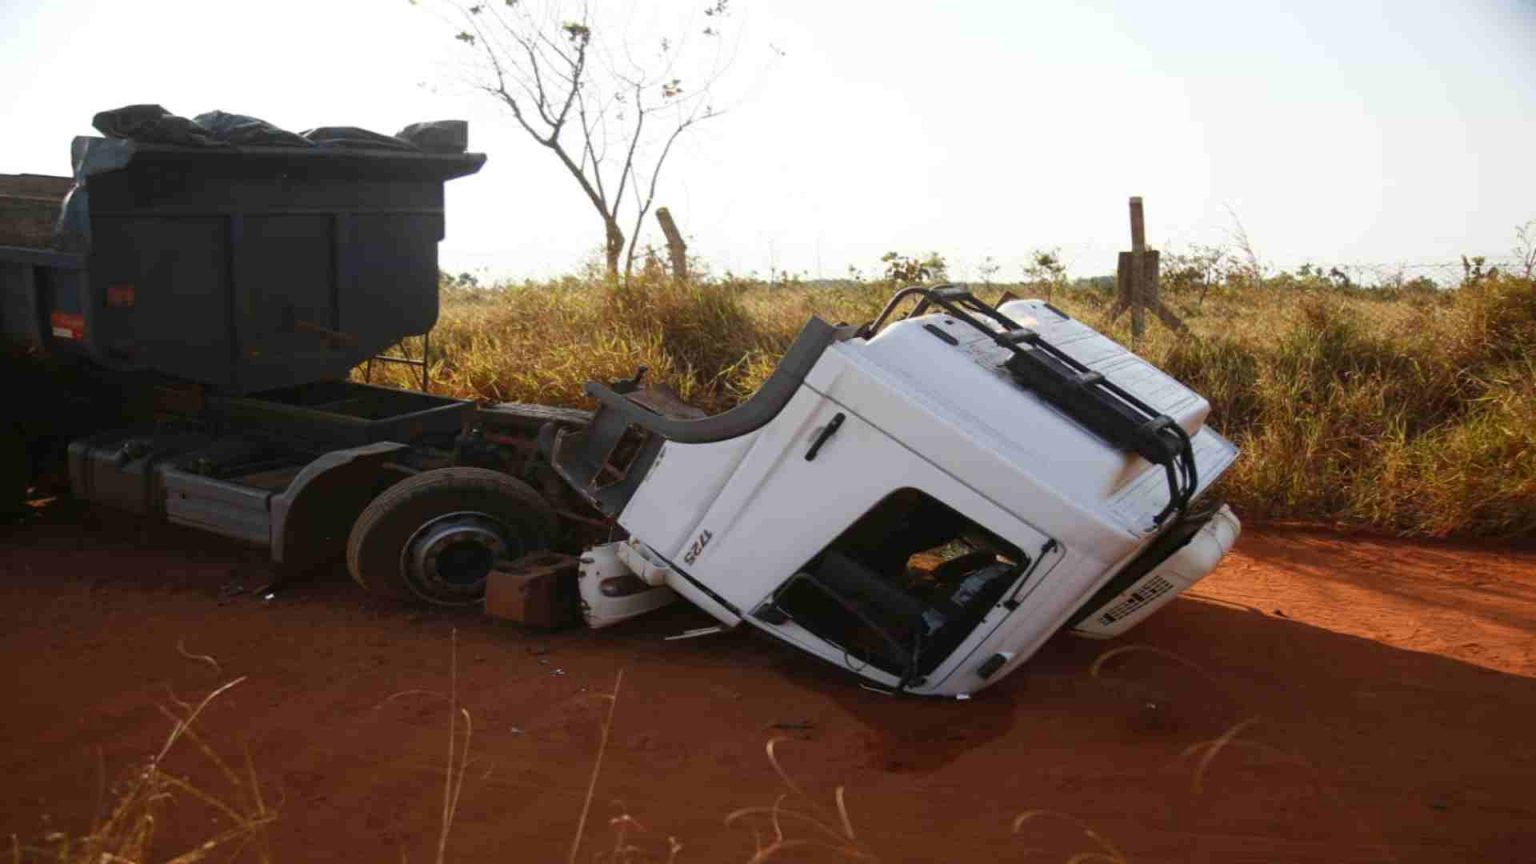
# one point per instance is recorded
(433, 537)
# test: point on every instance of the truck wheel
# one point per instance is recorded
(435, 535)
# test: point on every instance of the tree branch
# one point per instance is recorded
(547, 65)
(650, 195)
(634, 142)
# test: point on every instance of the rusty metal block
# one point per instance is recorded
(538, 590)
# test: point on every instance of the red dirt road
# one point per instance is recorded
(1377, 700)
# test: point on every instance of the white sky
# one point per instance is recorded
(1337, 130)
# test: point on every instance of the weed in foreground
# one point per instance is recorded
(767, 824)
(156, 796)
(457, 762)
(1104, 851)
(597, 767)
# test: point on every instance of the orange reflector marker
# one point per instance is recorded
(67, 325)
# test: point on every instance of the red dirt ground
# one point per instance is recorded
(1378, 698)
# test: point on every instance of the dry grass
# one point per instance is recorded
(778, 829)
(1407, 410)
(1103, 850)
(457, 763)
(597, 767)
(157, 795)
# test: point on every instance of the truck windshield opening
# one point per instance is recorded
(903, 586)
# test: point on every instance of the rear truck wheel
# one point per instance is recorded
(435, 536)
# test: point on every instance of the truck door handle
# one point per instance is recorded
(821, 437)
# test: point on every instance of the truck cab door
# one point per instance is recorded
(834, 536)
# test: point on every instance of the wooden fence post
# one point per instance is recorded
(1136, 280)
(677, 250)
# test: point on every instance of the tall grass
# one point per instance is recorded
(1405, 410)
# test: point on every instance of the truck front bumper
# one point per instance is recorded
(1107, 616)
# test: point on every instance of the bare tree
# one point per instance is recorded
(609, 112)
(1525, 249)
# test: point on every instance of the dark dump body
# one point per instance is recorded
(241, 268)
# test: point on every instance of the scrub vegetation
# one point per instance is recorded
(1407, 406)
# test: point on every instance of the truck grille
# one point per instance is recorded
(1156, 587)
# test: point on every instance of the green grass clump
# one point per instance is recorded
(1411, 411)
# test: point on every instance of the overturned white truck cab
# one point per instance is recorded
(922, 501)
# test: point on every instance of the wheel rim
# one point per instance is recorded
(447, 559)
